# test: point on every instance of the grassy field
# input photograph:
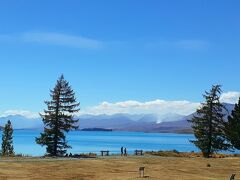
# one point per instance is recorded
(119, 168)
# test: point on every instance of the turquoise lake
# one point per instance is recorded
(84, 142)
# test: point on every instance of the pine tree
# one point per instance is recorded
(208, 124)
(58, 119)
(7, 140)
(232, 127)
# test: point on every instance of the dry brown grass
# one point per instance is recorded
(175, 153)
(119, 168)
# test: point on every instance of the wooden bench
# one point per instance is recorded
(139, 152)
(104, 153)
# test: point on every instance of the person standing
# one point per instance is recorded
(125, 151)
(121, 151)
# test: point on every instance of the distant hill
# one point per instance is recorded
(126, 122)
(118, 122)
(21, 122)
(96, 129)
(183, 125)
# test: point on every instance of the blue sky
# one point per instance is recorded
(117, 51)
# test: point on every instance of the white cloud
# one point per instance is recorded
(25, 113)
(192, 44)
(53, 38)
(182, 44)
(230, 97)
(158, 106)
(61, 39)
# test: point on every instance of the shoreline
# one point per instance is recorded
(160, 153)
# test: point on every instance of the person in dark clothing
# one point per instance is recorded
(125, 152)
(121, 151)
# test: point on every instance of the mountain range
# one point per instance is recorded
(119, 122)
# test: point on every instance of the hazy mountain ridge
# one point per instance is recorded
(21, 122)
(184, 125)
(120, 122)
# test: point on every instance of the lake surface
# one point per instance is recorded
(85, 142)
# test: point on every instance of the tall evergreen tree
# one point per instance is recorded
(7, 140)
(58, 118)
(232, 128)
(208, 124)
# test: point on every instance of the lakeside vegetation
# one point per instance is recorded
(175, 153)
